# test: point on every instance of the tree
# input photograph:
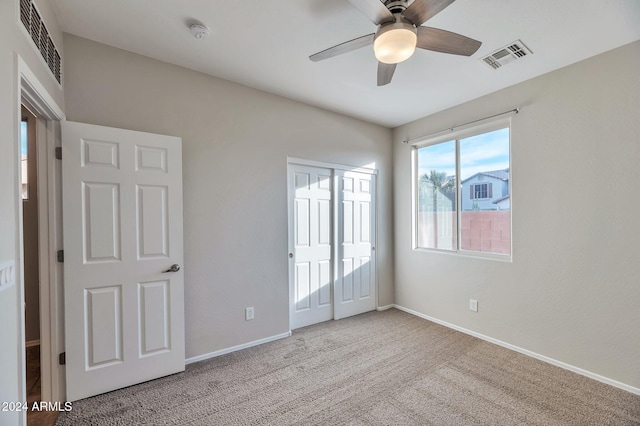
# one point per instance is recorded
(439, 183)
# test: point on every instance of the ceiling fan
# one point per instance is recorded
(400, 32)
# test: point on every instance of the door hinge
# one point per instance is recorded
(62, 358)
(60, 255)
(59, 153)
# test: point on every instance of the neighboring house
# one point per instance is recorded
(484, 190)
(25, 178)
(503, 203)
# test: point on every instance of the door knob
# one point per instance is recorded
(174, 268)
(290, 255)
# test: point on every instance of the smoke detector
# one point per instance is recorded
(199, 31)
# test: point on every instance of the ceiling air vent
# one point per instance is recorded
(36, 28)
(509, 53)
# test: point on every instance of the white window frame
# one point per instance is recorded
(462, 132)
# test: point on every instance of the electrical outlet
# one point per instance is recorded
(248, 313)
(473, 305)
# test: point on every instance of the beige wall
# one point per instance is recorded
(235, 146)
(13, 41)
(571, 292)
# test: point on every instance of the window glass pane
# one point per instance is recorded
(485, 199)
(436, 215)
(24, 152)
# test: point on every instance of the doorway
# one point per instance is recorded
(29, 187)
(42, 121)
(31, 265)
(332, 234)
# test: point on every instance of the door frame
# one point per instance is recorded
(334, 187)
(33, 95)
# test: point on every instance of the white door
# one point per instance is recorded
(355, 289)
(332, 267)
(310, 244)
(122, 217)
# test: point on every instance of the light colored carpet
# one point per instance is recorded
(379, 368)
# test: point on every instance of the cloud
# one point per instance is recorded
(440, 157)
(480, 153)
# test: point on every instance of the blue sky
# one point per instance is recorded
(481, 153)
(23, 137)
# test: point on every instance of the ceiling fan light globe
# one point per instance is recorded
(395, 45)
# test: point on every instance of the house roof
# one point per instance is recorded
(502, 174)
(506, 197)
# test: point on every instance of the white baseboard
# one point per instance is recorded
(527, 352)
(385, 307)
(32, 343)
(236, 348)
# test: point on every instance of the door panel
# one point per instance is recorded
(103, 322)
(101, 209)
(122, 205)
(355, 291)
(153, 228)
(310, 206)
(154, 317)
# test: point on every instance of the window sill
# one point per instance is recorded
(468, 254)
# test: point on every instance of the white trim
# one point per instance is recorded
(385, 307)
(51, 273)
(38, 101)
(19, 265)
(31, 93)
(335, 166)
(290, 247)
(527, 352)
(236, 348)
(32, 343)
(468, 254)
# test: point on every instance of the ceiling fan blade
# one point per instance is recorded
(385, 73)
(421, 11)
(446, 42)
(341, 48)
(374, 9)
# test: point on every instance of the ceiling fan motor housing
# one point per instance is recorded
(396, 6)
(395, 41)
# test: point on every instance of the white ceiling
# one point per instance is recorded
(265, 44)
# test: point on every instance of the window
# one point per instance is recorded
(481, 190)
(24, 156)
(463, 192)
